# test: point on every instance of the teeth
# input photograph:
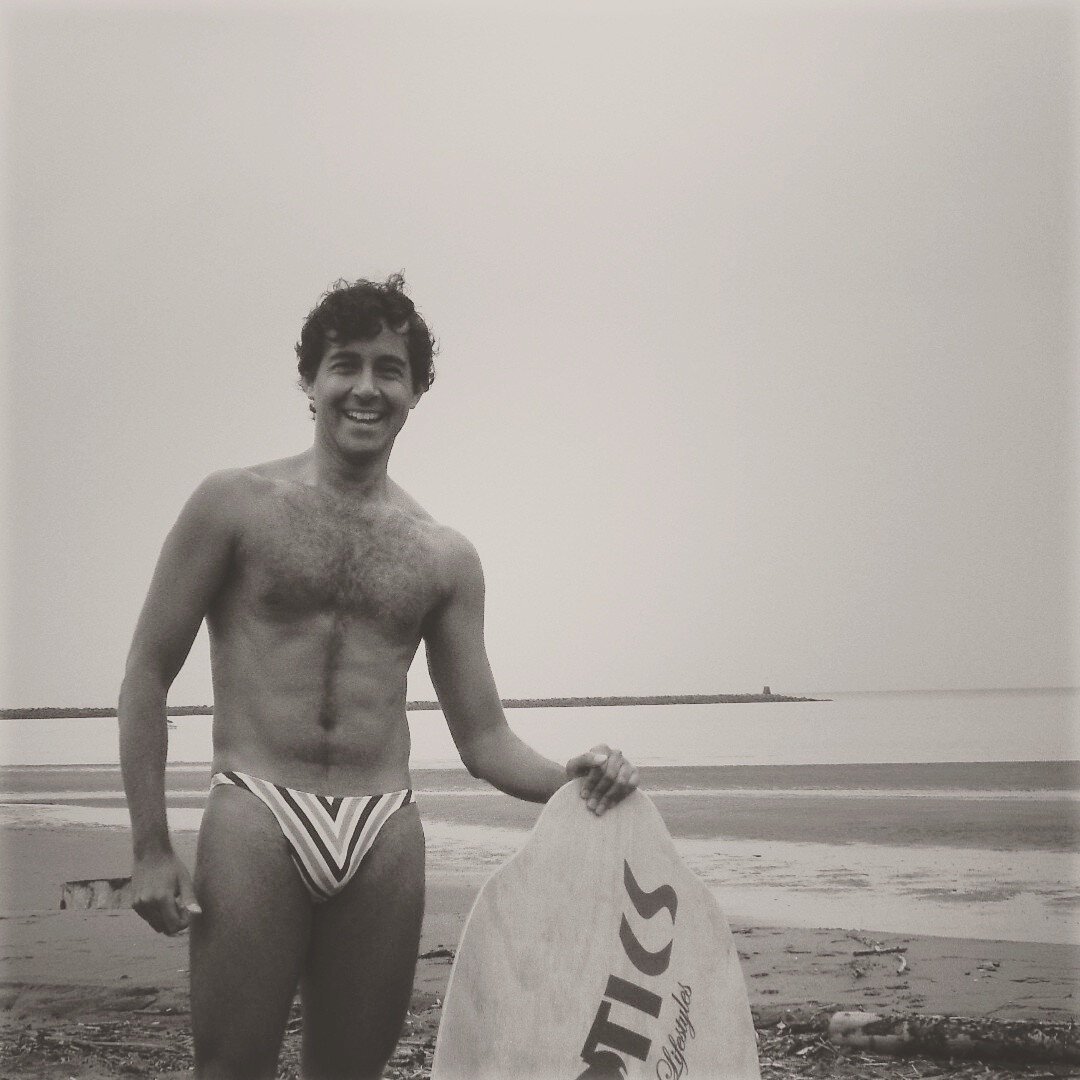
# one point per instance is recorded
(367, 416)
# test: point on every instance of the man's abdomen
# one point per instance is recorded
(323, 707)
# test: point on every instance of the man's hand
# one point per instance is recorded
(163, 894)
(609, 777)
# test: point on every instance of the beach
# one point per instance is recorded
(943, 887)
(825, 918)
(97, 993)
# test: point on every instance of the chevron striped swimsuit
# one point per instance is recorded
(328, 836)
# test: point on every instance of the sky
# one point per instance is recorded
(757, 323)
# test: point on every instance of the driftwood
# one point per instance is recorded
(105, 1044)
(96, 894)
(985, 1039)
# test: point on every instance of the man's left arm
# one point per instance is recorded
(460, 672)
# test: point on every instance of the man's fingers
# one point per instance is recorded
(188, 903)
(625, 781)
(614, 786)
(608, 777)
(166, 915)
(608, 772)
(164, 895)
(185, 912)
(160, 914)
(584, 763)
(603, 777)
(148, 913)
(592, 778)
(179, 913)
(187, 907)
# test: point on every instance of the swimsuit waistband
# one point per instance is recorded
(223, 776)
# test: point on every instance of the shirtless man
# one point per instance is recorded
(318, 578)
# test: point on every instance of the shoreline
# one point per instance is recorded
(790, 867)
(67, 948)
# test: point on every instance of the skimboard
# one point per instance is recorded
(594, 952)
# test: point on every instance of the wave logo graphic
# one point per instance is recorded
(609, 1044)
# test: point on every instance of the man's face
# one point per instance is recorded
(363, 392)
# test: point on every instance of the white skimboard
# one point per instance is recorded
(594, 952)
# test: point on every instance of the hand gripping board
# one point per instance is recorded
(594, 952)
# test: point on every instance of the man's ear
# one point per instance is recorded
(417, 395)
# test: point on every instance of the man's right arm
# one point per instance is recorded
(190, 570)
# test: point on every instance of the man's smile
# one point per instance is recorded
(364, 416)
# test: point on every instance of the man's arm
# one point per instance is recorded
(489, 749)
(189, 572)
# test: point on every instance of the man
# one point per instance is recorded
(318, 578)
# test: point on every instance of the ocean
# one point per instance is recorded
(851, 728)
(943, 813)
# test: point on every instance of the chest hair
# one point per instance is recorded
(314, 554)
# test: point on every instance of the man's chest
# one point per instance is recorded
(302, 559)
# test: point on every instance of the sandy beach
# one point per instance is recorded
(96, 993)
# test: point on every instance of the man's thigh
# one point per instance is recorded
(249, 945)
(362, 961)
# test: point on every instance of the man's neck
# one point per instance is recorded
(355, 478)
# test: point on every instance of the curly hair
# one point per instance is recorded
(357, 310)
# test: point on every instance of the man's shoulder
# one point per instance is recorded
(459, 560)
(225, 497)
(223, 488)
(454, 550)
(251, 481)
(458, 550)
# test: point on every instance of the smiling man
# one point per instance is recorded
(318, 578)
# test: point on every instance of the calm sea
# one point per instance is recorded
(852, 728)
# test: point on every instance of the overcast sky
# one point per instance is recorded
(758, 336)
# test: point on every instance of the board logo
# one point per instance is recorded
(672, 1063)
(609, 1044)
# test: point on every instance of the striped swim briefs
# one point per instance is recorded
(328, 836)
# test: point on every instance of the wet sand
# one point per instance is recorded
(79, 986)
